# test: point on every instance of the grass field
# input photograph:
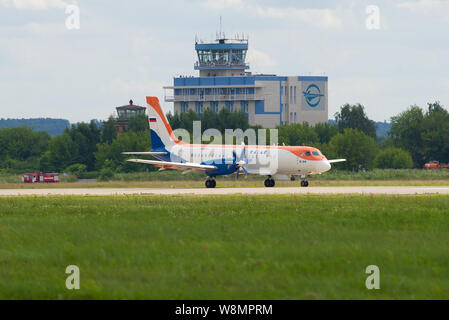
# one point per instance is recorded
(237, 247)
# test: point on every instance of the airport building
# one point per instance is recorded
(267, 100)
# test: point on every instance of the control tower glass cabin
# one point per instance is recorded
(222, 58)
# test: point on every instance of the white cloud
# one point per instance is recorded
(433, 8)
(422, 5)
(33, 4)
(260, 60)
(325, 18)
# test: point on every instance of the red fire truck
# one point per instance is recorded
(39, 177)
(433, 165)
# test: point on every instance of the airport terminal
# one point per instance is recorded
(266, 99)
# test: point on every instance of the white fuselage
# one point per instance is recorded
(265, 160)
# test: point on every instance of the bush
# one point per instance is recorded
(393, 158)
(106, 174)
(356, 147)
(77, 169)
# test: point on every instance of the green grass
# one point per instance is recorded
(175, 175)
(227, 247)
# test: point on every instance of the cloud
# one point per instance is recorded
(33, 4)
(324, 18)
(433, 8)
(422, 5)
(260, 60)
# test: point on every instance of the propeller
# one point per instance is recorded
(241, 161)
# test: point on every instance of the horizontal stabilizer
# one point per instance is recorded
(148, 153)
(336, 160)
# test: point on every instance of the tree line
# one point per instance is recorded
(417, 136)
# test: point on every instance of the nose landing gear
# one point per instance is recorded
(210, 183)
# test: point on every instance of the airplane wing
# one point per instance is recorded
(148, 153)
(336, 160)
(175, 165)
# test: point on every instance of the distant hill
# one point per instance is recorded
(382, 128)
(53, 126)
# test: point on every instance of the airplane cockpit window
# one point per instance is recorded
(307, 154)
(316, 154)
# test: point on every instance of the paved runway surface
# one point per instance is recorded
(222, 191)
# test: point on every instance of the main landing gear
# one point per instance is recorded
(210, 183)
(304, 183)
(269, 182)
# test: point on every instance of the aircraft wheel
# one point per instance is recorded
(267, 183)
(304, 183)
(292, 178)
(210, 183)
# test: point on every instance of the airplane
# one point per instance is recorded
(275, 162)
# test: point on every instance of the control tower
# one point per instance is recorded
(222, 58)
(266, 99)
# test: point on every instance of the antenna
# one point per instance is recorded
(220, 28)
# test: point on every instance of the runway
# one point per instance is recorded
(227, 191)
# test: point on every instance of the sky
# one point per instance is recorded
(126, 50)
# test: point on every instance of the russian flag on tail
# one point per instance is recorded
(152, 119)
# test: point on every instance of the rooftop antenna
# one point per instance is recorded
(220, 28)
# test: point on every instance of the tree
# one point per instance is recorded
(297, 134)
(61, 153)
(325, 131)
(109, 131)
(222, 120)
(357, 148)
(393, 158)
(354, 117)
(435, 133)
(138, 123)
(110, 154)
(406, 132)
(76, 169)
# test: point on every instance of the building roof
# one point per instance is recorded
(131, 106)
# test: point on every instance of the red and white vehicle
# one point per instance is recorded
(39, 177)
(433, 165)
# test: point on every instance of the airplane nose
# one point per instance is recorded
(326, 166)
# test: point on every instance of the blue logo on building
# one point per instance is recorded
(313, 95)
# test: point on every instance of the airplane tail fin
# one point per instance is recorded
(162, 136)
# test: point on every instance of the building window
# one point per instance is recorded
(199, 107)
(295, 117)
(184, 106)
(291, 94)
(295, 95)
(230, 105)
(291, 117)
(244, 107)
(214, 106)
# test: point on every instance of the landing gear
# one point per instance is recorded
(269, 183)
(210, 183)
(304, 183)
(292, 178)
